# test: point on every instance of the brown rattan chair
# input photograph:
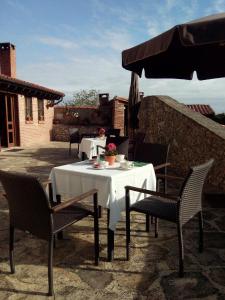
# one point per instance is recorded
(31, 210)
(74, 138)
(113, 132)
(156, 154)
(177, 209)
(134, 143)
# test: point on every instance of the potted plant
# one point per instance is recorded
(110, 153)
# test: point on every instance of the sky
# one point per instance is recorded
(72, 45)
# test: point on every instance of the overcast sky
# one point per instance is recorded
(71, 45)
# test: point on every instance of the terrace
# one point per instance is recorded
(151, 272)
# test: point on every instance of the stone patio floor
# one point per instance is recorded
(151, 272)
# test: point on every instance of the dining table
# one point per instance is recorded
(89, 146)
(77, 178)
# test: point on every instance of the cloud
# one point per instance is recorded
(216, 7)
(17, 5)
(62, 43)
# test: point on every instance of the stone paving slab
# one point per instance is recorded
(151, 272)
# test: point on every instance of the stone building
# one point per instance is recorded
(111, 113)
(26, 109)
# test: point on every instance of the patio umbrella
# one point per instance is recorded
(134, 98)
(195, 46)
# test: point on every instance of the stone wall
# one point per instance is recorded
(60, 132)
(193, 138)
(89, 119)
(83, 116)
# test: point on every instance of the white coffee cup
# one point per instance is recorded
(126, 164)
(120, 157)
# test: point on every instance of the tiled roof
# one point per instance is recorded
(201, 108)
(17, 86)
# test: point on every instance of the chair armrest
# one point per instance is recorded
(169, 177)
(161, 166)
(99, 146)
(71, 201)
(149, 192)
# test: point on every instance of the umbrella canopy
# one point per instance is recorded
(134, 98)
(195, 46)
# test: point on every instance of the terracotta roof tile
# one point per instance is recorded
(201, 108)
(22, 87)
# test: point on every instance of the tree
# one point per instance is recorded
(85, 97)
(219, 118)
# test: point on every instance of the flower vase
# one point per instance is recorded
(110, 159)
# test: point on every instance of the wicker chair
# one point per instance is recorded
(74, 138)
(31, 210)
(134, 143)
(179, 209)
(157, 154)
(113, 132)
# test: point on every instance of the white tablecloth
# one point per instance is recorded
(89, 146)
(75, 179)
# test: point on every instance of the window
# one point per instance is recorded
(41, 111)
(28, 109)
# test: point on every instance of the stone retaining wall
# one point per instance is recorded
(60, 132)
(193, 138)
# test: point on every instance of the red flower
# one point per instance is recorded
(110, 149)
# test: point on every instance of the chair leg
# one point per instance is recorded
(11, 249)
(54, 242)
(70, 149)
(110, 239)
(147, 223)
(128, 234)
(156, 227)
(59, 234)
(99, 211)
(50, 266)
(181, 250)
(200, 219)
(96, 229)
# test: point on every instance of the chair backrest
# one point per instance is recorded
(73, 130)
(89, 135)
(75, 137)
(191, 191)
(113, 132)
(139, 138)
(121, 142)
(156, 154)
(29, 206)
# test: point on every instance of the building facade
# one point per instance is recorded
(26, 109)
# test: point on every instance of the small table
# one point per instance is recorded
(77, 178)
(89, 146)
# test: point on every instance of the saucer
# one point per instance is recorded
(98, 168)
(128, 168)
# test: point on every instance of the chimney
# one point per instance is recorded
(8, 59)
(103, 98)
